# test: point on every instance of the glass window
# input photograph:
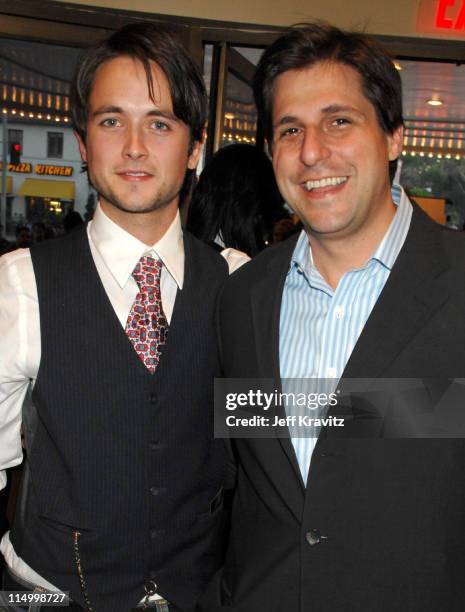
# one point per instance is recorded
(15, 136)
(55, 144)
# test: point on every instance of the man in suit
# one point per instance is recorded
(355, 518)
(122, 492)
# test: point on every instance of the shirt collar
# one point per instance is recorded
(386, 252)
(120, 251)
(389, 248)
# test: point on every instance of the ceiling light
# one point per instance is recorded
(397, 66)
(434, 102)
(229, 116)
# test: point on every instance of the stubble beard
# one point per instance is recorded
(160, 200)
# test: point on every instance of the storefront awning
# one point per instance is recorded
(41, 188)
(9, 184)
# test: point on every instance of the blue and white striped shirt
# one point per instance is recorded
(319, 326)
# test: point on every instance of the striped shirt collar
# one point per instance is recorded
(387, 251)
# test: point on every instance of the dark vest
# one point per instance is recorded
(123, 476)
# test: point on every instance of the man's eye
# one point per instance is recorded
(340, 121)
(110, 122)
(161, 126)
(291, 131)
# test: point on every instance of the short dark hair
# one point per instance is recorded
(236, 199)
(307, 44)
(145, 42)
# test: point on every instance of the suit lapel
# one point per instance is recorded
(266, 296)
(407, 302)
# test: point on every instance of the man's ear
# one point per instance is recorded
(196, 151)
(395, 143)
(82, 146)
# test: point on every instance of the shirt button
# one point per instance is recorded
(313, 537)
(155, 490)
(339, 312)
(156, 533)
(331, 372)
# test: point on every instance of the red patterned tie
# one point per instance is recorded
(146, 326)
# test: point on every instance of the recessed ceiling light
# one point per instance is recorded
(434, 102)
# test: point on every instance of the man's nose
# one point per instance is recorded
(135, 145)
(314, 147)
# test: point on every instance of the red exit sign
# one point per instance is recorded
(442, 17)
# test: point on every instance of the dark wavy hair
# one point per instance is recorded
(145, 42)
(236, 199)
(307, 44)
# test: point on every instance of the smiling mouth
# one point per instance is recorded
(330, 181)
(134, 175)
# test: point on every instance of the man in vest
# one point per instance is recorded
(122, 491)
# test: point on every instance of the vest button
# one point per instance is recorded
(155, 445)
(157, 490)
(313, 537)
(153, 399)
(157, 533)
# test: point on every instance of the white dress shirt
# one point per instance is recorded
(115, 254)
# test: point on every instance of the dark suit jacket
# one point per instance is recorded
(381, 524)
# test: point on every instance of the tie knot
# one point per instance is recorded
(147, 272)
